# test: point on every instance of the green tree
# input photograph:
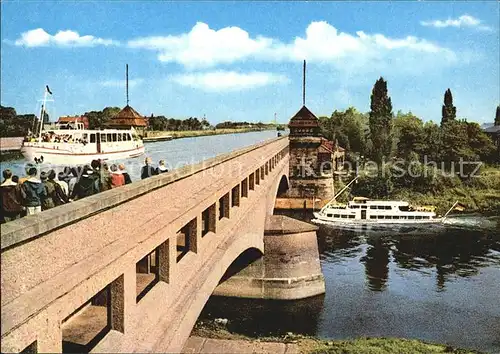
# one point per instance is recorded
(477, 141)
(380, 121)
(96, 119)
(410, 134)
(110, 112)
(14, 125)
(497, 116)
(449, 111)
(347, 128)
(432, 141)
(455, 142)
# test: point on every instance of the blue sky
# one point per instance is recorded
(243, 60)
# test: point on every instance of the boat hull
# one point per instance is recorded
(60, 157)
(377, 222)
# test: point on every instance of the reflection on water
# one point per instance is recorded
(266, 317)
(376, 263)
(435, 283)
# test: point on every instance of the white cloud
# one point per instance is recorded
(462, 21)
(204, 47)
(121, 83)
(39, 38)
(228, 80)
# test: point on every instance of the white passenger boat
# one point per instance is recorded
(363, 211)
(72, 144)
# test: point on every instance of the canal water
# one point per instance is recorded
(438, 284)
(176, 153)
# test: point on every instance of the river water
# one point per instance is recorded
(438, 284)
(435, 284)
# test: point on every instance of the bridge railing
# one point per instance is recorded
(98, 257)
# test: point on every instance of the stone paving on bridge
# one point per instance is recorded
(208, 345)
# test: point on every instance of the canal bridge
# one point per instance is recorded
(130, 269)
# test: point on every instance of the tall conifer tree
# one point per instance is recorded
(380, 121)
(497, 116)
(449, 111)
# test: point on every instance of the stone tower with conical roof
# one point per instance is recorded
(310, 159)
(310, 156)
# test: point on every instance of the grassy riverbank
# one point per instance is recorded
(196, 133)
(480, 193)
(308, 344)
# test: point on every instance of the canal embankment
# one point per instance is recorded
(214, 338)
(196, 133)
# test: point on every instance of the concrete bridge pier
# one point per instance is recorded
(289, 269)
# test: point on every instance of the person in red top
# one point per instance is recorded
(117, 178)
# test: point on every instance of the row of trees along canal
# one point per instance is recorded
(402, 141)
(12, 124)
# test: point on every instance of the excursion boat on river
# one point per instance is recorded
(73, 144)
(365, 211)
(80, 146)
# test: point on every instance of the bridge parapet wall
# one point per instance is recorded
(57, 261)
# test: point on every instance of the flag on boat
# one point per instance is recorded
(48, 90)
(459, 207)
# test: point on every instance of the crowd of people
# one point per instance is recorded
(36, 191)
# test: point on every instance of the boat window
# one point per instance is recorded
(418, 217)
(329, 215)
(354, 206)
(388, 207)
(124, 136)
(373, 216)
(403, 207)
(395, 217)
(114, 137)
(103, 138)
(336, 215)
(380, 207)
(129, 137)
(119, 136)
(352, 216)
(380, 216)
(403, 217)
(363, 207)
(411, 217)
(387, 217)
(373, 207)
(108, 137)
(426, 217)
(344, 216)
(92, 138)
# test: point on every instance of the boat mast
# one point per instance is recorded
(43, 113)
(340, 192)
